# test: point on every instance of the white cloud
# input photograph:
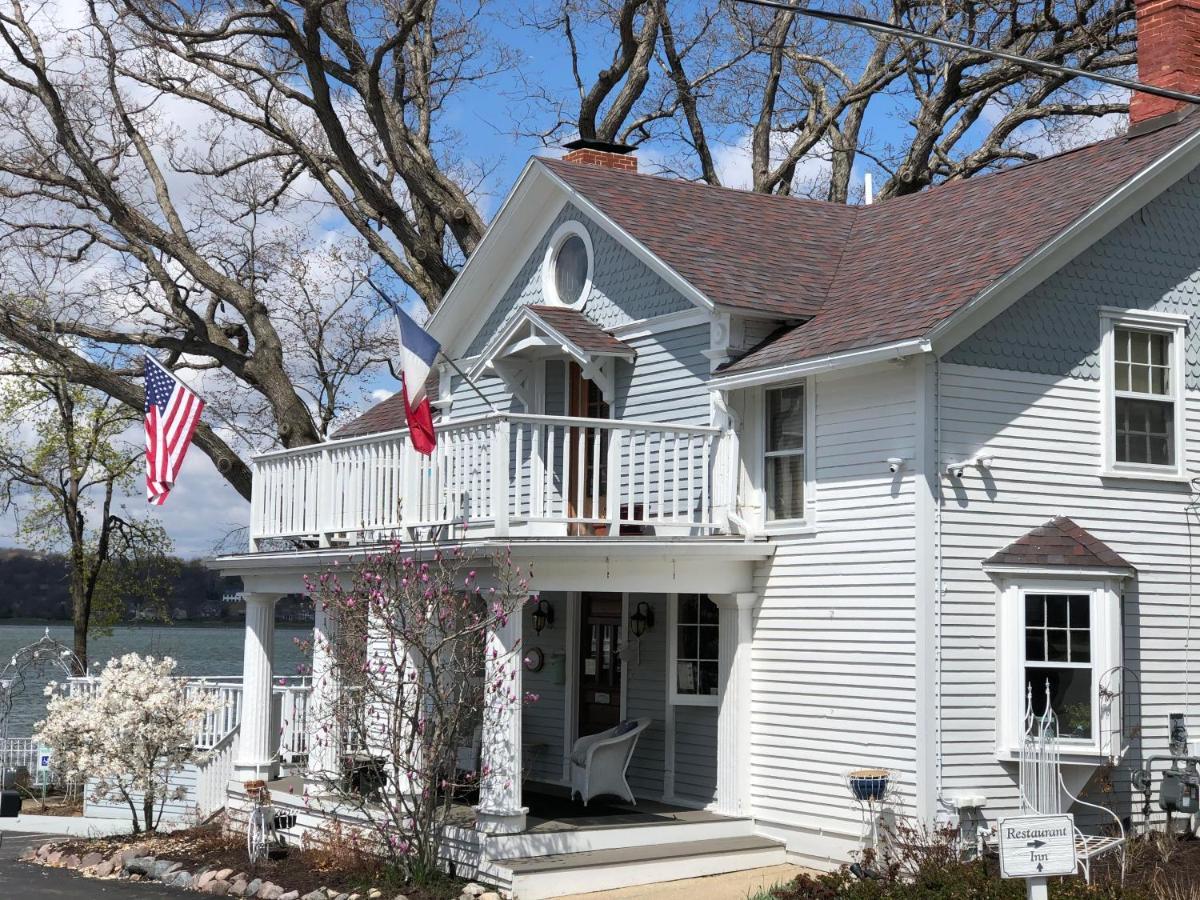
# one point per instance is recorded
(733, 162)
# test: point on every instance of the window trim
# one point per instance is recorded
(1174, 325)
(777, 526)
(1104, 591)
(569, 228)
(673, 696)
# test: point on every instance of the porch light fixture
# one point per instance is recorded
(642, 619)
(543, 615)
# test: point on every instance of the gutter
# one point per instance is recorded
(846, 359)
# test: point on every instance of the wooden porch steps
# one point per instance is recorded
(563, 874)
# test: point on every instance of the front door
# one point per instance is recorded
(589, 468)
(599, 662)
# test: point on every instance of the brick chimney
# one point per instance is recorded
(1168, 54)
(604, 154)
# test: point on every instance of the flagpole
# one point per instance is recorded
(467, 379)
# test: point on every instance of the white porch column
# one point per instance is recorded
(258, 747)
(324, 735)
(500, 810)
(733, 715)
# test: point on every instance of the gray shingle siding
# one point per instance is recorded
(696, 753)
(644, 671)
(623, 288)
(1149, 262)
(668, 382)
(543, 720)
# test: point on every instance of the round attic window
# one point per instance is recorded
(567, 273)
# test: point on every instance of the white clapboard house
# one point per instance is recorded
(869, 470)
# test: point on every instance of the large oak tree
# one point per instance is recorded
(231, 183)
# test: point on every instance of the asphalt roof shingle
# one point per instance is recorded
(386, 415)
(862, 276)
(580, 330)
(1059, 543)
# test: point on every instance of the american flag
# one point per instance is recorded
(172, 412)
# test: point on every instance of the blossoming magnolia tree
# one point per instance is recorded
(414, 677)
(130, 733)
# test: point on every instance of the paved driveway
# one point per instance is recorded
(24, 880)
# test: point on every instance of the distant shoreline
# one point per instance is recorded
(180, 623)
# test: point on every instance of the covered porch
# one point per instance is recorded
(621, 629)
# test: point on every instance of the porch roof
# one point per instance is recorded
(713, 564)
(543, 328)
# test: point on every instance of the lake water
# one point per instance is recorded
(199, 651)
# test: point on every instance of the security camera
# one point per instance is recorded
(894, 464)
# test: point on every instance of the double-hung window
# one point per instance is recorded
(785, 457)
(1143, 373)
(1058, 660)
(696, 650)
(1059, 641)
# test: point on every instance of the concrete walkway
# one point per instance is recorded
(732, 886)
(25, 881)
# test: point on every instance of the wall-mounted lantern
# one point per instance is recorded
(642, 619)
(543, 615)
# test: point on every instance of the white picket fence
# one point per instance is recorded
(505, 473)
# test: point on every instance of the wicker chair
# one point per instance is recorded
(599, 761)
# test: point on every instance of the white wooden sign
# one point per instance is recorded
(1037, 846)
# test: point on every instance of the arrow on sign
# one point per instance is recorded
(1035, 844)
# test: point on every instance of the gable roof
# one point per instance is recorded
(1060, 543)
(581, 331)
(864, 276)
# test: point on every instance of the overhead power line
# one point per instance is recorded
(899, 31)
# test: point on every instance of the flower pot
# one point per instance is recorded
(868, 784)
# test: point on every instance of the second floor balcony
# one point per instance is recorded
(499, 475)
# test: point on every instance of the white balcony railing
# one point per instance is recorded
(500, 474)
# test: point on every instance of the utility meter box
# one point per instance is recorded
(1179, 792)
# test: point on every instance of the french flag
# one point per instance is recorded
(418, 350)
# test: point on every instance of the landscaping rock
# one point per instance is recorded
(253, 888)
(140, 865)
(182, 878)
